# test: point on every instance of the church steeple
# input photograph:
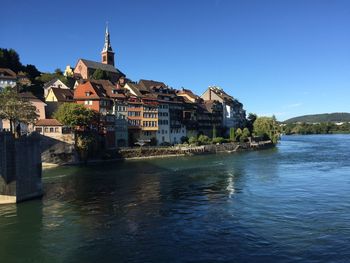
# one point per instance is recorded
(107, 51)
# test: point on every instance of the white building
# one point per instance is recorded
(233, 113)
(54, 83)
(8, 78)
(163, 133)
(121, 122)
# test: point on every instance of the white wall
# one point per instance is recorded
(176, 134)
(163, 133)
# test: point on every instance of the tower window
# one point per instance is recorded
(104, 58)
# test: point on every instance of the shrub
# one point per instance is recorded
(245, 135)
(238, 134)
(165, 144)
(184, 139)
(153, 141)
(232, 134)
(203, 139)
(193, 140)
(218, 140)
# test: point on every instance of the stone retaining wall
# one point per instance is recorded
(20, 168)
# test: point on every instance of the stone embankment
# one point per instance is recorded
(62, 153)
(153, 152)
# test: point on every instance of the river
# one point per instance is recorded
(287, 204)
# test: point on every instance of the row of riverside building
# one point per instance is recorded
(132, 111)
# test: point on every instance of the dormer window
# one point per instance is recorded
(87, 94)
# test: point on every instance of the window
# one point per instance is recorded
(51, 129)
(46, 129)
(87, 94)
(56, 130)
(88, 102)
(40, 130)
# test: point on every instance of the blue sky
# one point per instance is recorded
(287, 58)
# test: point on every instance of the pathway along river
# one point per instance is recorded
(289, 204)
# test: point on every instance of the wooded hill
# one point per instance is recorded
(319, 118)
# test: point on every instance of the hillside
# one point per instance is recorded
(326, 117)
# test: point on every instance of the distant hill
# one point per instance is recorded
(326, 117)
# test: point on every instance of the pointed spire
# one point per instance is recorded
(107, 46)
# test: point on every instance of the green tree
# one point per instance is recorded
(184, 139)
(214, 132)
(58, 72)
(32, 71)
(193, 140)
(250, 121)
(99, 74)
(9, 58)
(238, 134)
(245, 134)
(203, 139)
(75, 115)
(267, 128)
(232, 134)
(15, 109)
(218, 140)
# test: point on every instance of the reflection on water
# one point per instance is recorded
(289, 204)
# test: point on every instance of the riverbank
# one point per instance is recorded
(150, 152)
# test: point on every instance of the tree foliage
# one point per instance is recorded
(184, 139)
(232, 134)
(267, 128)
(75, 115)
(250, 121)
(317, 128)
(245, 135)
(203, 139)
(218, 140)
(214, 132)
(9, 58)
(238, 134)
(193, 140)
(15, 109)
(99, 74)
(321, 118)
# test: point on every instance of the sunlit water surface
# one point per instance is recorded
(288, 204)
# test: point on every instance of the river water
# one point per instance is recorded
(288, 204)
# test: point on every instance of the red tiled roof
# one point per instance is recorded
(96, 91)
(48, 122)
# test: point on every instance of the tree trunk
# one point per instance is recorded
(11, 126)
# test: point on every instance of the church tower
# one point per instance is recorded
(107, 52)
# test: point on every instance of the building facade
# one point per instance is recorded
(163, 133)
(233, 114)
(8, 78)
